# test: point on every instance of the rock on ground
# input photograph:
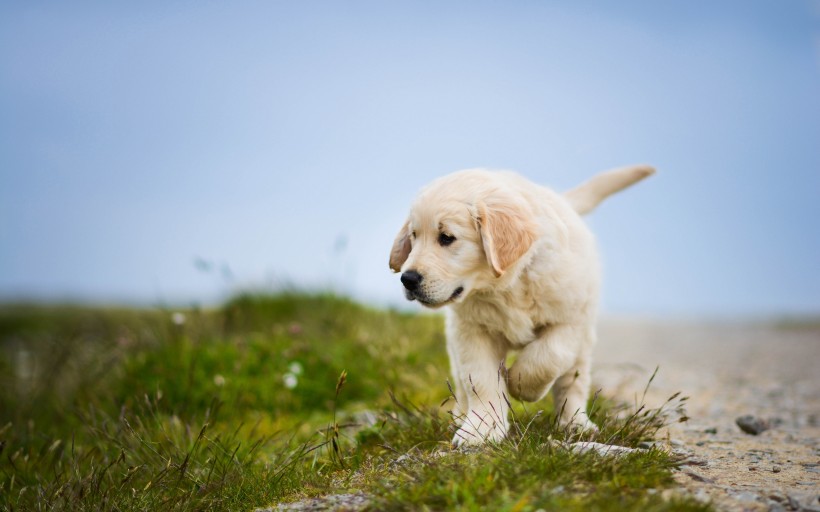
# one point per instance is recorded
(333, 502)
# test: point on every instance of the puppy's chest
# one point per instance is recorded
(517, 326)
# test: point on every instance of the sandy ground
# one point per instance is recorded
(728, 370)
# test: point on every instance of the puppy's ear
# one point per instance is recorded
(401, 248)
(507, 232)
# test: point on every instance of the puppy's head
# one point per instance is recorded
(464, 231)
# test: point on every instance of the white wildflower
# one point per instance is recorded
(178, 318)
(295, 368)
(219, 380)
(290, 380)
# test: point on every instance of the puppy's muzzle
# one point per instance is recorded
(411, 280)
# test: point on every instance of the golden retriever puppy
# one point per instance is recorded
(519, 271)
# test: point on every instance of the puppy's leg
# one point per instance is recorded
(459, 393)
(556, 358)
(570, 393)
(478, 359)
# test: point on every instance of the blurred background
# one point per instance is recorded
(177, 152)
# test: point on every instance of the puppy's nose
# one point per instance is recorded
(411, 280)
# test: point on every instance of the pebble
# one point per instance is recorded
(694, 461)
(752, 425)
(776, 469)
(710, 430)
(811, 468)
(602, 449)
(698, 477)
(804, 502)
(745, 496)
(350, 502)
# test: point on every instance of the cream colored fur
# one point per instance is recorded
(521, 274)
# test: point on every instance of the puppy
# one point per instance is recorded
(519, 269)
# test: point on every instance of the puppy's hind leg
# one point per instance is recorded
(570, 394)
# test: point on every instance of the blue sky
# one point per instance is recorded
(281, 143)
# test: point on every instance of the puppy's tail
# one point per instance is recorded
(586, 196)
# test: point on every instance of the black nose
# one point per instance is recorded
(411, 280)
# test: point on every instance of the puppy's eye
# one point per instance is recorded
(445, 239)
(413, 234)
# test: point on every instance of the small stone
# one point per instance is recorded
(710, 430)
(681, 452)
(602, 449)
(694, 461)
(776, 469)
(745, 496)
(698, 477)
(752, 425)
(349, 502)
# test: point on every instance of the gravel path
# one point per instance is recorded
(728, 371)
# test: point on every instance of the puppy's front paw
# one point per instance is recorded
(478, 429)
(522, 385)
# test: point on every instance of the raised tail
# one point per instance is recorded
(586, 196)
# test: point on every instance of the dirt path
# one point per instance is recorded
(728, 371)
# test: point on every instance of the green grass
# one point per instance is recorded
(244, 407)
